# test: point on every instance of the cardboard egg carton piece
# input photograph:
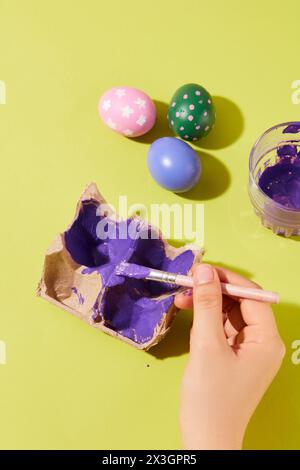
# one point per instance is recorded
(78, 275)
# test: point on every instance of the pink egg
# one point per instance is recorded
(127, 111)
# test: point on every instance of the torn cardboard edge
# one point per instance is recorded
(62, 280)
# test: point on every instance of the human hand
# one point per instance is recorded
(235, 352)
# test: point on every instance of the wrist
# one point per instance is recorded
(216, 438)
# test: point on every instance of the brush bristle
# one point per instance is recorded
(132, 270)
(121, 268)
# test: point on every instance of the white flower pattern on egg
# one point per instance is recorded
(141, 103)
(120, 92)
(141, 120)
(127, 132)
(106, 105)
(111, 123)
(128, 111)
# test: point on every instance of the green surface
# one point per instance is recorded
(65, 384)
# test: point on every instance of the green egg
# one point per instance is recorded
(191, 113)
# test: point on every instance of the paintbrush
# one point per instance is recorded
(142, 272)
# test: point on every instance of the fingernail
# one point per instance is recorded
(188, 292)
(204, 274)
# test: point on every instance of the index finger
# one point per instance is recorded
(253, 312)
(259, 314)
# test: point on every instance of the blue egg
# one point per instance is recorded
(174, 164)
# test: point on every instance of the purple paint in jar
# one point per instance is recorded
(274, 178)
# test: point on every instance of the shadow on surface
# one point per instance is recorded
(275, 422)
(177, 340)
(214, 181)
(228, 128)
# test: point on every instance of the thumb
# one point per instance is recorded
(207, 300)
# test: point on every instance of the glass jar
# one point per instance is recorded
(283, 219)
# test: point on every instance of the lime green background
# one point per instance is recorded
(66, 385)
